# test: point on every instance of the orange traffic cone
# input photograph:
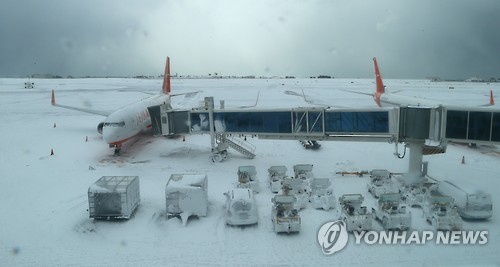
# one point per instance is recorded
(463, 159)
(52, 152)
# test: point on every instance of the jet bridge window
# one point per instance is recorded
(456, 124)
(114, 124)
(357, 122)
(255, 122)
(495, 127)
(479, 126)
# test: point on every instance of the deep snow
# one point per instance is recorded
(43, 212)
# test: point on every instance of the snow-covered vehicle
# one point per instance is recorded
(303, 171)
(247, 178)
(285, 218)
(475, 205)
(322, 196)
(441, 213)
(356, 217)
(415, 194)
(391, 212)
(296, 187)
(241, 208)
(186, 195)
(381, 183)
(276, 174)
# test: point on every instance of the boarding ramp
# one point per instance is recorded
(238, 144)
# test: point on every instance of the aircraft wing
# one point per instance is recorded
(189, 94)
(356, 92)
(91, 111)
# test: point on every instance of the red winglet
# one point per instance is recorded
(166, 78)
(492, 99)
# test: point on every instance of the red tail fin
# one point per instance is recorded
(166, 78)
(492, 99)
(53, 98)
(380, 84)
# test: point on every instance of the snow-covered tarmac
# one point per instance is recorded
(43, 211)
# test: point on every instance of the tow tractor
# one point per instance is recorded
(285, 218)
(356, 217)
(391, 212)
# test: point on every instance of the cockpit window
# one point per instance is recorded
(114, 124)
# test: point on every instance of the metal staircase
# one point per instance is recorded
(238, 144)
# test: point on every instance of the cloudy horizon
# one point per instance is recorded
(451, 39)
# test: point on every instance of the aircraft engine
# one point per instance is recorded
(99, 127)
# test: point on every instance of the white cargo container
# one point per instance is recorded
(470, 205)
(114, 197)
(186, 195)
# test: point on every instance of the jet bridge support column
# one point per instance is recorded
(415, 174)
(219, 151)
(209, 105)
(414, 129)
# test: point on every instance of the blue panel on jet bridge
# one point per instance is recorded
(244, 122)
(357, 122)
(473, 125)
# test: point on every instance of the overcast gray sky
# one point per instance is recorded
(411, 38)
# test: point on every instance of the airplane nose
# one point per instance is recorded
(110, 134)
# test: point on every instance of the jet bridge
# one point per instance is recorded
(290, 124)
(416, 127)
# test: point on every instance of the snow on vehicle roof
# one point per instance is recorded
(320, 183)
(241, 193)
(109, 184)
(303, 167)
(389, 197)
(352, 198)
(247, 169)
(278, 169)
(380, 173)
(189, 180)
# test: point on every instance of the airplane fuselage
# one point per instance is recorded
(123, 124)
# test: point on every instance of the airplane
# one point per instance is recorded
(383, 99)
(123, 124)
